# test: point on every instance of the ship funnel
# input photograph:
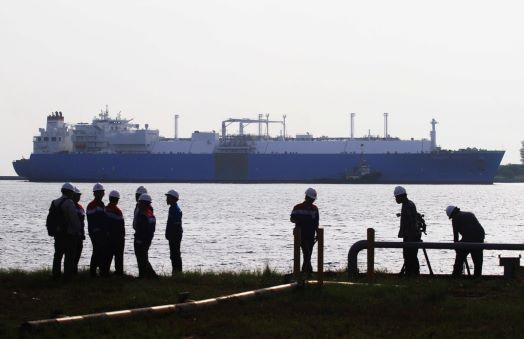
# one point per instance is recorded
(176, 126)
(433, 134)
(386, 135)
(352, 131)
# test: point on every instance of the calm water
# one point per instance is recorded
(244, 227)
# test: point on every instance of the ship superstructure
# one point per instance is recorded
(118, 150)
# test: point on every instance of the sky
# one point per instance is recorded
(460, 62)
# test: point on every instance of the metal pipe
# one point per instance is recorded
(176, 126)
(352, 132)
(363, 244)
(157, 310)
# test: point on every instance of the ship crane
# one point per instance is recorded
(243, 122)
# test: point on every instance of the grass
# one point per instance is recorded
(396, 307)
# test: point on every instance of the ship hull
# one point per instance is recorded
(456, 167)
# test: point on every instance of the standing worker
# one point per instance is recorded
(144, 232)
(409, 231)
(116, 226)
(98, 232)
(306, 218)
(139, 191)
(62, 223)
(80, 212)
(467, 225)
(174, 230)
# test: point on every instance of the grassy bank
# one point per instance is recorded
(394, 308)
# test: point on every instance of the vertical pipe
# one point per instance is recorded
(224, 130)
(320, 267)
(260, 126)
(267, 126)
(296, 253)
(352, 134)
(284, 124)
(386, 125)
(371, 253)
(176, 126)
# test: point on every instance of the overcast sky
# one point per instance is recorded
(460, 62)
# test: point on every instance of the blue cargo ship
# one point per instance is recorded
(114, 150)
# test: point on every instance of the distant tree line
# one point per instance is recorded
(511, 171)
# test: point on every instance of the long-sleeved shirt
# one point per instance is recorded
(96, 217)
(467, 225)
(80, 212)
(145, 225)
(69, 212)
(174, 221)
(115, 221)
(408, 222)
(306, 217)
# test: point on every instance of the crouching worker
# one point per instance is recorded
(145, 223)
(467, 225)
(305, 217)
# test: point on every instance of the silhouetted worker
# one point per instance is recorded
(98, 232)
(305, 216)
(174, 230)
(144, 232)
(116, 226)
(139, 191)
(80, 212)
(467, 225)
(409, 231)
(64, 226)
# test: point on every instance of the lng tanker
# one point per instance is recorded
(113, 149)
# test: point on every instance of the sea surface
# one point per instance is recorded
(238, 227)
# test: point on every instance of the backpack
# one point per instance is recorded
(56, 222)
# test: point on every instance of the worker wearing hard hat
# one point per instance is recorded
(116, 227)
(467, 225)
(81, 214)
(409, 231)
(144, 232)
(174, 230)
(98, 232)
(306, 218)
(62, 224)
(139, 191)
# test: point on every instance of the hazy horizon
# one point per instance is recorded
(459, 62)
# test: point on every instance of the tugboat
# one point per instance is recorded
(362, 173)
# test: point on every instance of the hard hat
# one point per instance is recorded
(114, 194)
(145, 197)
(173, 193)
(141, 190)
(310, 192)
(450, 209)
(98, 187)
(68, 186)
(77, 190)
(399, 190)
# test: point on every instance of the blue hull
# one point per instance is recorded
(441, 167)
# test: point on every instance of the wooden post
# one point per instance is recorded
(371, 253)
(320, 268)
(296, 253)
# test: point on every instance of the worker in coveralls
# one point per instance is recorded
(80, 212)
(98, 232)
(305, 217)
(409, 231)
(116, 226)
(145, 223)
(174, 230)
(467, 225)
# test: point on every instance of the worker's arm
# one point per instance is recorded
(455, 232)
